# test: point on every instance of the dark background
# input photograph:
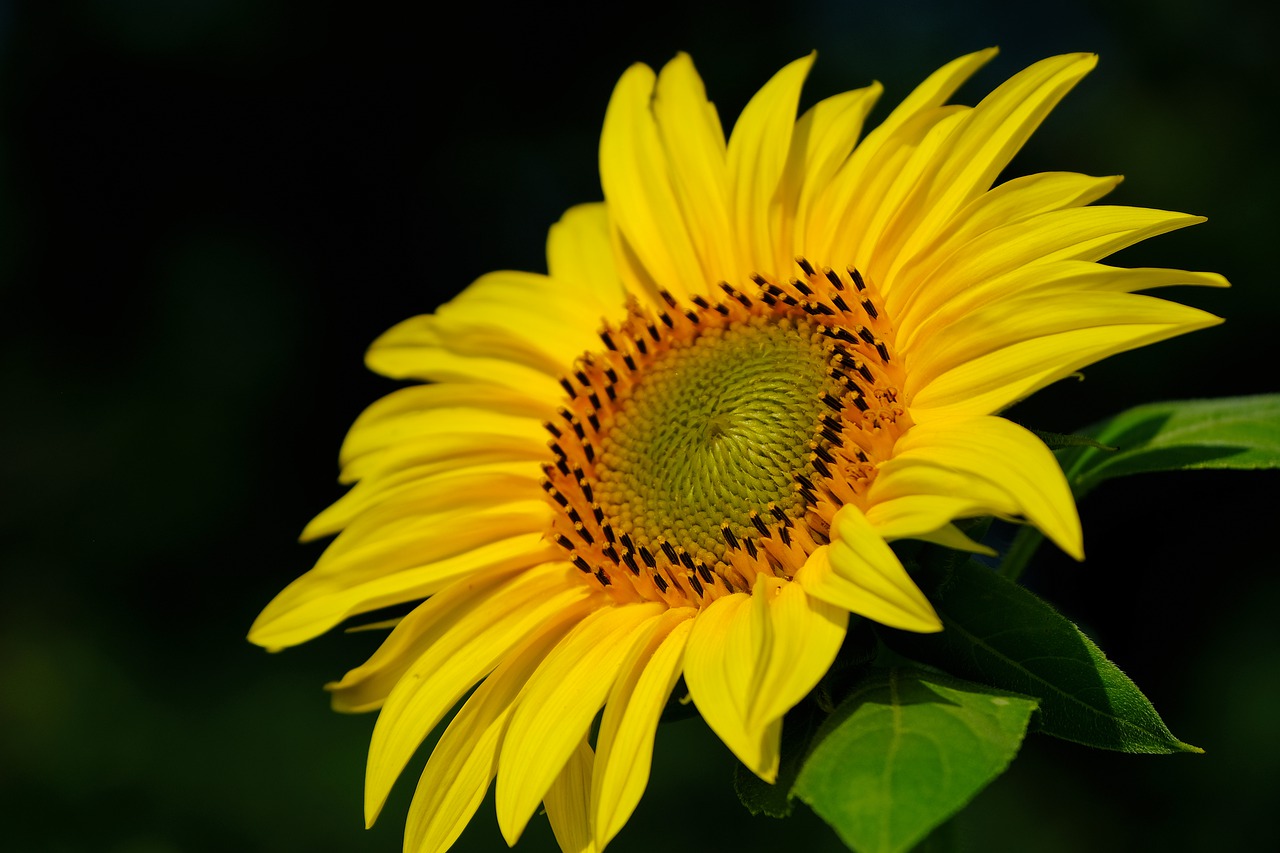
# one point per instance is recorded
(208, 210)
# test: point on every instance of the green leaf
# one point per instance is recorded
(998, 633)
(1232, 432)
(905, 751)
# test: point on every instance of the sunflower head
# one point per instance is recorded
(685, 451)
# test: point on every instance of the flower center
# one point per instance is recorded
(718, 427)
(711, 442)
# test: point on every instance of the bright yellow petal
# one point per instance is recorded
(558, 704)
(843, 209)
(757, 155)
(568, 803)
(315, 603)
(630, 722)
(439, 677)
(693, 141)
(465, 759)
(751, 658)
(859, 572)
(1011, 321)
(422, 486)
(580, 259)
(988, 460)
(823, 138)
(637, 187)
(998, 379)
(992, 133)
(468, 626)
(419, 349)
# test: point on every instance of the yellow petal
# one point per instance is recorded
(996, 380)
(751, 658)
(580, 257)
(418, 349)
(757, 157)
(859, 572)
(558, 704)
(1013, 201)
(567, 803)
(636, 179)
(822, 140)
(630, 722)
(693, 141)
(421, 485)
(1043, 315)
(844, 208)
(992, 133)
(468, 625)
(983, 460)
(316, 602)
(439, 677)
(465, 759)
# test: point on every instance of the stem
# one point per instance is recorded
(1024, 546)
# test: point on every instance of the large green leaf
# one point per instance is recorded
(1232, 432)
(905, 751)
(998, 633)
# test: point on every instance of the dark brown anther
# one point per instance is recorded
(607, 337)
(778, 513)
(602, 577)
(583, 532)
(666, 320)
(692, 316)
(833, 278)
(627, 542)
(830, 436)
(838, 301)
(653, 332)
(752, 550)
(860, 402)
(729, 538)
(564, 542)
(583, 565)
(590, 452)
(820, 466)
(883, 351)
(586, 489)
(629, 362)
(804, 264)
(832, 402)
(667, 297)
(785, 535)
(700, 301)
(577, 429)
(567, 386)
(610, 393)
(597, 513)
(870, 308)
(685, 559)
(647, 557)
(630, 560)
(670, 551)
(707, 577)
(857, 279)
(866, 334)
(552, 428)
(824, 454)
(696, 584)
(594, 421)
(660, 582)
(641, 346)
(759, 524)
(722, 309)
(595, 400)
(610, 552)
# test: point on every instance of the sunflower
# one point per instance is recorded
(684, 451)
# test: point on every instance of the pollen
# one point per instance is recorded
(709, 442)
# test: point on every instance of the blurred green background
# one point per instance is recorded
(208, 208)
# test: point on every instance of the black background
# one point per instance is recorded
(209, 209)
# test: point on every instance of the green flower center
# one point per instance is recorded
(714, 433)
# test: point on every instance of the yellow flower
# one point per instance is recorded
(683, 452)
